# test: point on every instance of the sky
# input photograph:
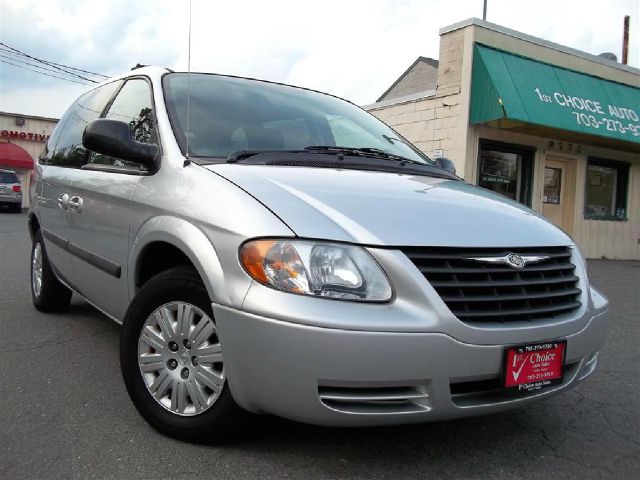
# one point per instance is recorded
(350, 48)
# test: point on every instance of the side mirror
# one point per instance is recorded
(113, 138)
(446, 164)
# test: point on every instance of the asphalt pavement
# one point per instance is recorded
(64, 411)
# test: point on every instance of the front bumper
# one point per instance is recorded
(331, 376)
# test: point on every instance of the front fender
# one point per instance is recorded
(195, 244)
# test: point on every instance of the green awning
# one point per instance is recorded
(507, 86)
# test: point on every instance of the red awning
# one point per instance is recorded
(14, 156)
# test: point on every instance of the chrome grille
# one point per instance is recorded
(478, 292)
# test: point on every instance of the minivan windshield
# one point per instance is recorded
(229, 114)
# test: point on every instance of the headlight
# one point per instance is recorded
(319, 269)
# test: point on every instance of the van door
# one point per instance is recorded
(61, 163)
(54, 217)
(101, 206)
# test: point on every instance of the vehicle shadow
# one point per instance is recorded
(430, 448)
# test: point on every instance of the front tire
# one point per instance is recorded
(47, 292)
(171, 360)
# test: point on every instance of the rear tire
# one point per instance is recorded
(47, 292)
(16, 208)
(161, 336)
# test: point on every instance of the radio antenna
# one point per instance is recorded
(187, 161)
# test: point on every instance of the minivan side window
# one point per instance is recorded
(46, 155)
(68, 150)
(133, 106)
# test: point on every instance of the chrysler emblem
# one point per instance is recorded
(514, 260)
(184, 357)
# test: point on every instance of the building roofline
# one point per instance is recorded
(538, 41)
(413, 97)
(32, 117)
(431, 61)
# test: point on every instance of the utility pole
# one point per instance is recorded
(484, 10)
(625, 40)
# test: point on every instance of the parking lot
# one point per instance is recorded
(65, 413)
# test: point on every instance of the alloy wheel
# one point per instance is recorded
(36, 269)
(180, 358)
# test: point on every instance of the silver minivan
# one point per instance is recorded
(274, 249)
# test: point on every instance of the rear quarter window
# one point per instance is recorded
(68, 150)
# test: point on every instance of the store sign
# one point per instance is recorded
(17, 135)
(595, 114)
(508, 86)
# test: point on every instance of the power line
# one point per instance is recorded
(24, 58)
(22, 62)
(54, 65)
(47, 74)
(22, 54)
(78, 69)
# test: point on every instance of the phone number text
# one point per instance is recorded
(610, 125)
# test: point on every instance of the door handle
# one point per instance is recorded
(63, 201)
(75, 204)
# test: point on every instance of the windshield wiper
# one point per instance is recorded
(367, 158)
(329, 150)
(362, 152)
(242, 154)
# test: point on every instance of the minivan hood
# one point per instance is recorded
(378, 208)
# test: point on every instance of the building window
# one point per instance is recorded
(506, 169)
(552, 185)
(606, 190)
